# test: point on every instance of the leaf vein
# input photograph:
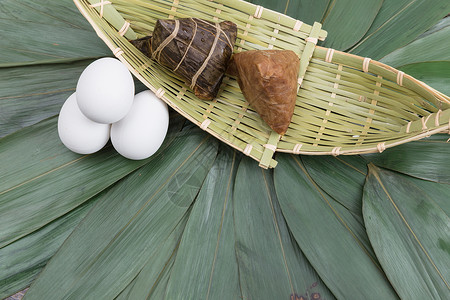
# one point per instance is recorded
(43, 174)
(278, 231)
(221, 226)
(409, 228)
(337, 214)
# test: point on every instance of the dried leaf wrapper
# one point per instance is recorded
(268, 79)
(196, 50)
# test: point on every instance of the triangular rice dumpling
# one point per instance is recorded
(268, 79)
(197, 50)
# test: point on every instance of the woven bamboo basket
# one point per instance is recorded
(346, 104)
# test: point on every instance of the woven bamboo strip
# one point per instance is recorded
(346, 104)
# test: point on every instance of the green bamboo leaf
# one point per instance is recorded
(156, 291)
(308, 11)
(149, 278)
(271, 266)
(22, 261)
(160, 289)
(341, 180)
(410, 234)
(346, 21)
(128, 224)
(416, 51)
(343, 260)
(33, 93)
(427, 158)
(341, 177)
(42, 180)
(445, 22)
(48, 31)
(206, 254)
(436, 74)
(398, 23)
(440, 193)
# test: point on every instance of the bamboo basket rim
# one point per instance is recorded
(317, 63)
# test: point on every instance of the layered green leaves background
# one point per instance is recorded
(199, 220)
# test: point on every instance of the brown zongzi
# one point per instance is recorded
(196, 50)
(268, 80)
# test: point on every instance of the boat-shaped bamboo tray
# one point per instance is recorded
(346, 104)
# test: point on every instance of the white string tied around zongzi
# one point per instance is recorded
(164, 43)
(188, 47)
(205, 62)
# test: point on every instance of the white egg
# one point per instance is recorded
(105, 91)
(140, 134)
(78, 133)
